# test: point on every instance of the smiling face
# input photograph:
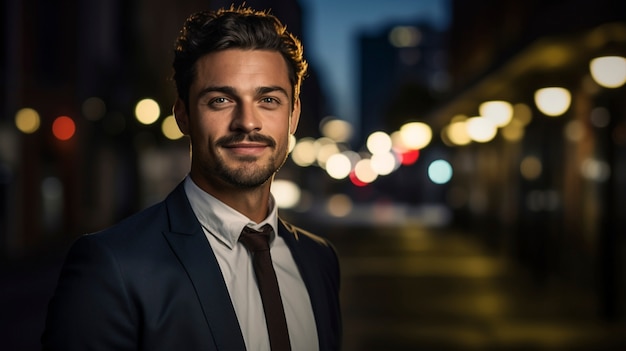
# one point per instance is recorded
(240, 114)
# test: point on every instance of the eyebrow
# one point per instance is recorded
(232, 91)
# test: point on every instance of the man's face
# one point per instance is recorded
(239, 118)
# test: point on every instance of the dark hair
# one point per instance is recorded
(234, 28)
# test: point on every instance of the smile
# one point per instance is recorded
(246, 148)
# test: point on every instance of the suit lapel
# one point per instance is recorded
(187, 240)
(310, 276)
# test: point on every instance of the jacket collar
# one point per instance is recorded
(194, 252)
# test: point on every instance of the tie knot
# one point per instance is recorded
(255, 240)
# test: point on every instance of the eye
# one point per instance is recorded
(217, 101)
(270, 100)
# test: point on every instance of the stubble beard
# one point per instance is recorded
(246, 172)
(247, 176)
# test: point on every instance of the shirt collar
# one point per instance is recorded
(221, 220)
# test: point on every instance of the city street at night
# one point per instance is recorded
(409, 288)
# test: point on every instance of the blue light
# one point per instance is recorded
(440, 172)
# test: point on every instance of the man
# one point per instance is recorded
(177, 276)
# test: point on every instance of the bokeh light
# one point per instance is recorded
(497, 111)
(481, 129)
(27, 120)
(574, 131)
(304, 153)
(553, 101)
(170, 129)
(338, 166)
(336, 129)
(440, 172)
(378, 143)
(63, 128)
(522, 113)
(286, 193)
(596, 170)
(531, 167)
(94, 108)
(405, 36)
(416, 135)
(600, 117)
(458, 134)
(409, 157)
(608, 71)
(364, 172)
(325, 148)
(514, 131)
(147, 111)
(339, 205)
(384, 163)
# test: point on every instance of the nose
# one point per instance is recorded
(246, 118)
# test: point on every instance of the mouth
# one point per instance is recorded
(248, 150)
(253, 145)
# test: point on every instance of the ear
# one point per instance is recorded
(181, 115)
(295, 117)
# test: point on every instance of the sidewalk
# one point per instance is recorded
(406, 288)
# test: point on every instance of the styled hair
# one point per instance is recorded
(234, 28)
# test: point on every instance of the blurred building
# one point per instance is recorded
(402, 73)
(92, 62)
(549, 191)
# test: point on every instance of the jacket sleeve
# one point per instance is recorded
(91, 308)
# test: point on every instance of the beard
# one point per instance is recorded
(248, 176)
(245, 172)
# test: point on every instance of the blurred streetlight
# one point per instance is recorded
(416, 135)
(553, 101)
(608, 71)
(498, 111)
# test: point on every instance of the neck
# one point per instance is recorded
(252, 203)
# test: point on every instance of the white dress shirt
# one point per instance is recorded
(222, 226)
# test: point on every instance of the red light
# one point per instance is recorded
(410, 157)
(63, 128)
(356, 180)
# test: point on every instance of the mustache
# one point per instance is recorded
(236, 138)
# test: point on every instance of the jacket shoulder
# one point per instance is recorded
(300, 234)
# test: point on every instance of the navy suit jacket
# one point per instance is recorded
(152, 282)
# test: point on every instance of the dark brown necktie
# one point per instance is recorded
(258, 244)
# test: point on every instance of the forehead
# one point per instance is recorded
(242, 69)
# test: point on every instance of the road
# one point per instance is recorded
(411, 288)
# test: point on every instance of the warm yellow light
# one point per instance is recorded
(339, 205)
(522, 113)
(170, 129)
(304, 153)
(498, 111)
(405, 36)
(384, 163)
(147, 111)
(513, 131)
(531, 167)
(481, 129)
(364, 172)
(608, 71)
(338, 166)
(553, 101)
(325, 148)
(27, 120)
(378, 143)
(457, 133)
(286, 193)
(416, 135)
(336, 129)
